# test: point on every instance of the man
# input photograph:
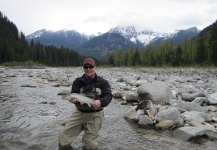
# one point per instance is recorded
(85, 118)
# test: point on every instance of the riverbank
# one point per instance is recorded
(32, 111)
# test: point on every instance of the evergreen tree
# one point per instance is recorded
(213, 43)
(136, 58)
(201, 55)
(178, 56)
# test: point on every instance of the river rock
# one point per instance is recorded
(157, 91)
(212, 99)
(117, 94)
(145, 122)
(130, 96)
(174, 94)
(5, 84)
(210, 108)
(128, 79)
(199, 100)
(64, 92)
(188, 89)
(140, 82)
(168, 114)
(206, 126)
(132, 114)
(189, 106)
(212, 135)
(166, 124)
(191, 96)
(196, 116)
(186, 133)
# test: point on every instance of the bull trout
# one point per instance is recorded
(83, 99)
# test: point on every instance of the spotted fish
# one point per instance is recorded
(83, 99)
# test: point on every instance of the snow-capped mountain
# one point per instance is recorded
(74, 39)
(66, 38)
(128, 32)
(145, 37)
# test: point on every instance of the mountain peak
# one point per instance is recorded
(142, 38)
(193, 29)
(128, 32)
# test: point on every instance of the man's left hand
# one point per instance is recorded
(96, 104)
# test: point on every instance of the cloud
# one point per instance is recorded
(92, 16)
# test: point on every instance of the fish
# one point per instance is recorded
(83, 99)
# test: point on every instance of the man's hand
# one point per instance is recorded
(74, 100)
(96, 104)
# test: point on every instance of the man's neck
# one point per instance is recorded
(89, 77)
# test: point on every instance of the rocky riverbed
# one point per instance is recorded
(34, 106)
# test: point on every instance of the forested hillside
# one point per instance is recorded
(14, 47)
(201, 50)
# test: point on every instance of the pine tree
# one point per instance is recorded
(213, 43)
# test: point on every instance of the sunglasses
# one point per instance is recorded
(90, 67)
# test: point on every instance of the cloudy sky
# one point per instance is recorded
(93, 16)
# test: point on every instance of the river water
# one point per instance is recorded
(31, 116)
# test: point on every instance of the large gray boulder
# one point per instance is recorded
(158, 92)
(196, 116)
(186, 133)
(168, 114)
(169, 118)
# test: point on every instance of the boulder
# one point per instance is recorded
(117, 94)
(168, 114)
(196, 116)
(158, 92)
(132, 114)
(166, 124)
(145, 122)
(191, 96)
(206, 126)
(188, 132)
(199, 100)
(189, 106)
(212, 99)
(140, 82)
(130, 96)
(128, 79)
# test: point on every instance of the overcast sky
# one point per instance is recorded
(93, 16)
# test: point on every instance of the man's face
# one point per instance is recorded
(89, 70)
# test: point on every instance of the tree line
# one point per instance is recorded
(201, 50)
(14, 47)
